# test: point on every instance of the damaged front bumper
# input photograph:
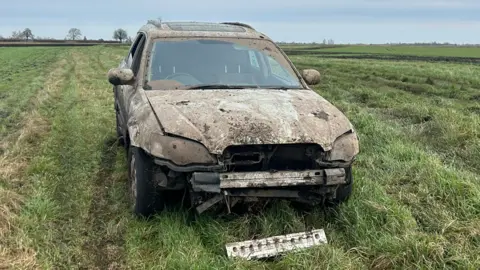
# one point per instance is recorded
(215, 182)
(210, 185)
(307, 186)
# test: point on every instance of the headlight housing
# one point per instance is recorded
(345, 147)
(181, 151)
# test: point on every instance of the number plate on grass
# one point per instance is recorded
(276, 245)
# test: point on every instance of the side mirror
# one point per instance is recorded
(121, 76)
(311, 76)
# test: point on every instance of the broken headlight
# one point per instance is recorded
(181, 151)
(345, 147)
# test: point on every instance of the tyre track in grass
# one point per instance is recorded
(106, 218)
(105, 224)
(108, 213)
(54, 207)
(76, 215)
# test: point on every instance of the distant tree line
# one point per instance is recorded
(74, 34)
(329, 42)
(119, 34)
(434, 43)
(25, 34)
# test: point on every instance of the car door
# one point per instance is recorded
(124, 92)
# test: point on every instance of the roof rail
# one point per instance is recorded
(157, 23)
(239, 24)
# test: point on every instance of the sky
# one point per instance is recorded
(344, 21)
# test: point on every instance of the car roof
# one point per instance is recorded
(201, 29)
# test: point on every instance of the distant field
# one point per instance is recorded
(416, 198)
(56, 44)
(427, 53)
(455, 51)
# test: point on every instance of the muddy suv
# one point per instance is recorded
(219, 111)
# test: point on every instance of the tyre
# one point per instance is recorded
(344, 192)
(145, 198)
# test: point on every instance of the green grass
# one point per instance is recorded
(23, 75)
(29, 81)
(416, 200)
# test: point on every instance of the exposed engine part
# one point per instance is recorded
(209, 203)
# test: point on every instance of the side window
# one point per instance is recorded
(257, 62)
(253, 59)
(137, 56)
(277, 69)
(134, 49)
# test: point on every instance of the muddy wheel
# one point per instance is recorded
(145, 198)
(344, 192)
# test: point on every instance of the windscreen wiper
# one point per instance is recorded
(221, 86)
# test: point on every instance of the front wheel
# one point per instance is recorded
(344, 192)
(145, 198)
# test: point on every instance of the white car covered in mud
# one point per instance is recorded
(219, 111)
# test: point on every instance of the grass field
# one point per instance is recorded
(415, 204)
(389, 52)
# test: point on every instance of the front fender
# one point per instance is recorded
(345, 147)
(145, 132)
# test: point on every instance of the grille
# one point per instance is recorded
(244, 158)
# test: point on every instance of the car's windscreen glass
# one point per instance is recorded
(192, 63)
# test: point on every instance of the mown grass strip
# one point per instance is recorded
(19, 147)
(67, 214)
(23, 76)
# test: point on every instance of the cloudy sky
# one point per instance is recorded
(345, 21)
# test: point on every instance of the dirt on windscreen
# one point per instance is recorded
(223, 55)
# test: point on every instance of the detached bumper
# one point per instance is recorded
(276, 245)
(215, 182)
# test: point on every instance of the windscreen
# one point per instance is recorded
(183, 63)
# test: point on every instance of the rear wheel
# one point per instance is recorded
(146, 199)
